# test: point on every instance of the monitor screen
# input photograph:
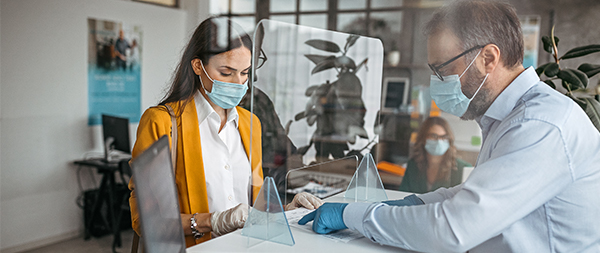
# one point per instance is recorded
(118, 129)
(395, 93)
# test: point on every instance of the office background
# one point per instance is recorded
(43, 92)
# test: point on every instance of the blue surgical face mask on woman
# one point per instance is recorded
(437, 147)
(448, 95)
(225, 95)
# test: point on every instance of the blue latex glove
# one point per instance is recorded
(410, 200)
(328, 218)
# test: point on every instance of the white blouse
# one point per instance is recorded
(226, 165)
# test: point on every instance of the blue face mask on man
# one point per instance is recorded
(448, 95)
(225, 95)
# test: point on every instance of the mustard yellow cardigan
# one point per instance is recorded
(189, 176)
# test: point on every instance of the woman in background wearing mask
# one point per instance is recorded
(216, 180)
(433, 163)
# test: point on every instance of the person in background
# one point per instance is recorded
(536, 182)
(216, 181)
(121, 45)
(433, 163)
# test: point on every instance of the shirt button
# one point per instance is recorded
(230, 197)
(227, 166)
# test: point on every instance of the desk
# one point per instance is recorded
(305, 241)
(106, 190)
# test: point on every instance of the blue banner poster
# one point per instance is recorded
(114, 64)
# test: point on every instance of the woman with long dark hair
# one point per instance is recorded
(433, 162)
(216, 180)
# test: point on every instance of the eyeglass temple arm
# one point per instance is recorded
(458, 56)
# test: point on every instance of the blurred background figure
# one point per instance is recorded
(433, 163)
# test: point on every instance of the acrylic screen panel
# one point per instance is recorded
(157, 199)
(316, 92)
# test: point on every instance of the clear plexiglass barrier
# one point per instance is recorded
(317, 94)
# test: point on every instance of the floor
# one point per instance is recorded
(93, 245)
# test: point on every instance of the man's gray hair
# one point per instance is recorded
(481, 23)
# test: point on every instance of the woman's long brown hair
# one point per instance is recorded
(419, 154)
(205, 43)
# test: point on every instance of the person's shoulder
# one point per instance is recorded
(542, 103)
(243, 113)
(155, 114)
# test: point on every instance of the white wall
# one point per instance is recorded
(44, 104)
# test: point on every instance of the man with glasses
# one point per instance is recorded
(536, 183)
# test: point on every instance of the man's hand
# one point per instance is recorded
(328, 218)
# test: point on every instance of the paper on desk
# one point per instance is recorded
(344, 236)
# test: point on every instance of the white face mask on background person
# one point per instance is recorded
(448, 95)
(437, 147)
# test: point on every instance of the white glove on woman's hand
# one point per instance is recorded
(306, 200)
(229, 220)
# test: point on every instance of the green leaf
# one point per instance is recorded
(324, 65)
(592, 110)
(324, 45)
(309, 91)
(316, 59)
(551, 70)
(540, 69)
(589, 69)
(567, 86)
(569, 77)
(299, 116)
(345, 61)
(550, 83)
(581, 51)
(548, 43)
(582, 77)
(350, 41)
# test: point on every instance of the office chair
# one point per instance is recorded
(125, 174)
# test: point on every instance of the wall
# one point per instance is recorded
(43, 105)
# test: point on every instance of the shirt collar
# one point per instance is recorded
(204, 110)
(507, 100)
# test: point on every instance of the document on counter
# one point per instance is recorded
(344, 236)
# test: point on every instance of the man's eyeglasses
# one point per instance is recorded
(436, 69)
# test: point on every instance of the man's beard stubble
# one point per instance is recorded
(482, 100)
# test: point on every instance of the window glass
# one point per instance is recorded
(352, 4)
(247, 23)
(282, 5)
(217, 7)
(354, 23)
(387, 26)
(243, 6)
(313, 5)
(314, 20)
(385, 3)
(284, 18)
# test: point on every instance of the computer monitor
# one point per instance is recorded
(116, 135)
(395, 94)
(157, 203)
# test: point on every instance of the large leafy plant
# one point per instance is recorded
(335, 106)
(575, 81)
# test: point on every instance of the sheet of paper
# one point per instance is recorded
(344, 236)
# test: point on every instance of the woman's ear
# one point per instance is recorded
(491, 58)
(197, 66)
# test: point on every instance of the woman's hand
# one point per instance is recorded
(306, 200)
(229, 220)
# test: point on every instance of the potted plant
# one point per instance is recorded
(575, 81)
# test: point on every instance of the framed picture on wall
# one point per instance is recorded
(394, 94)
(168, 3)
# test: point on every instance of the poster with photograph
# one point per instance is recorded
(114, 64)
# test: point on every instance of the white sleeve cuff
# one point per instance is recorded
(353, 215)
